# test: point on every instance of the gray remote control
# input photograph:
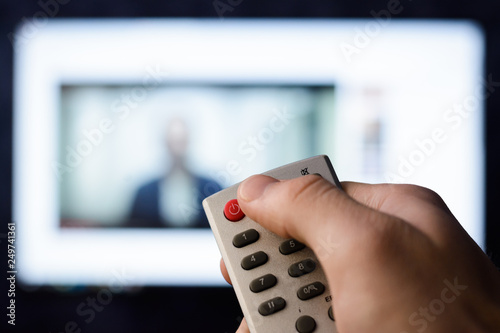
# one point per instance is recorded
(279, 283)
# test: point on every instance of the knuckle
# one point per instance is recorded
(420, 192)
(307, 188)
(301, 199)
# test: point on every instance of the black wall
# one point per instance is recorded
(204, 309)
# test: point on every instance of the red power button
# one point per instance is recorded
(232, 211)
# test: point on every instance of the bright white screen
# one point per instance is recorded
(404, 109)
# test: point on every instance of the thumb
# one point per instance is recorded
(309, 209)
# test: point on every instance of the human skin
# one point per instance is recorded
(395, 257)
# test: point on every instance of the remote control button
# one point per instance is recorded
(272, 306)
(330, 313)
(301, 268)
(246, 237)
(254, 260)
(305, 324)
(264, 282)
(232, 211)
(311, 290)
(290, 246)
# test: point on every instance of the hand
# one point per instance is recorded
(395, 258)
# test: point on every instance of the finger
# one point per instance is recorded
(382, 196)
(306, 208)
(416, 205)
(224, 272)
(243, 327)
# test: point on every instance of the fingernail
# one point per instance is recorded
(253, 187)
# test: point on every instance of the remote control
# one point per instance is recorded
(279, 283)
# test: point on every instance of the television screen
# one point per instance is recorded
(142, 157)
(122, 127)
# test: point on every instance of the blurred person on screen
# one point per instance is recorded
(174, 200)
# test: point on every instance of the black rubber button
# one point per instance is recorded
(272, 306)
(254, 260)
(330, 313)
(305, 324)
(310, 290)
(246, 237)
(290, 246)
(264, 282)
(301, 268)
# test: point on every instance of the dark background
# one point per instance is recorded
(205, 309)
